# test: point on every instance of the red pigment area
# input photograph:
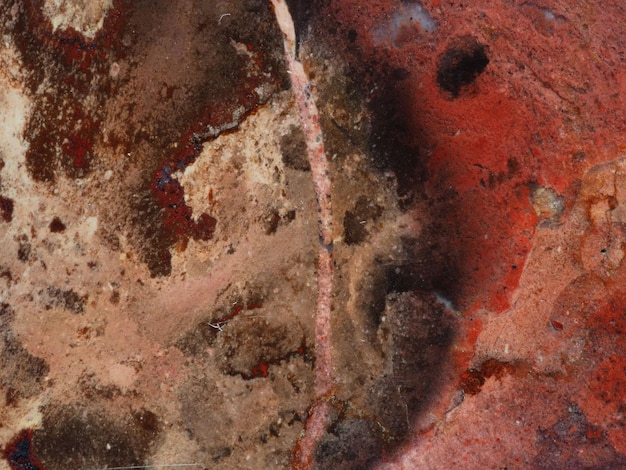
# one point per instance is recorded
(529, 118)
(61, 132)
(260, 370)
(169, 194)
(604, 386)
(216, 90)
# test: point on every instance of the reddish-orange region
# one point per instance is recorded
(474, 327)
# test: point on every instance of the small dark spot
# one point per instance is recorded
(24, 249)
(275, 429)
(222, 453)
(512, 166)
(115, 297)
(473, 380)
(6, 274)
(57, 226)
(11, 396)
(352, 35)
(461, 64)
(578, 157)
(6, 209)
(91, 388)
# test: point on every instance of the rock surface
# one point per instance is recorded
(159, 234)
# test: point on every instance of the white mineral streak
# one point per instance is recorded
(318, 419)
(85, 16)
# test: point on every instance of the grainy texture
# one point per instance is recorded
(160, 241)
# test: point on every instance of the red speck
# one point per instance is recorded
(472, 381)
(260, 370)
(593, 434)
(557, 325)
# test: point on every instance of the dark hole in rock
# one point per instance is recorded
(461, 64)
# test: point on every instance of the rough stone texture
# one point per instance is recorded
(159, 234)
(510, 116)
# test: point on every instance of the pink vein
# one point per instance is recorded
(309, 118)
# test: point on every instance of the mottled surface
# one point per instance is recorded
(512, 116)
(158, 234)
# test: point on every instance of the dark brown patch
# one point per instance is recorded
(293, 150)
(92, 389)
(56, 226)
(21, 373)
(24, 249)
(72, 437)
(147, 420)
(355, 220)
(415, 337)
(6, 209)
